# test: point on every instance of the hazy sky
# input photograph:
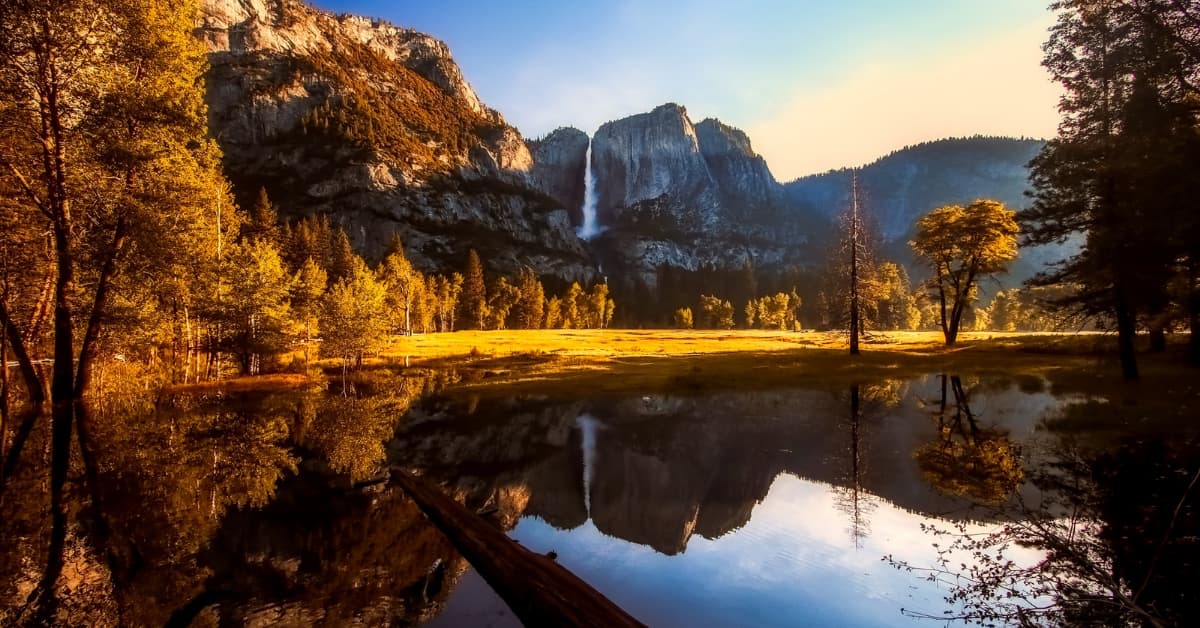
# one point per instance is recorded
(817, 85)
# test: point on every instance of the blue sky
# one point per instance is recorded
(816, 84)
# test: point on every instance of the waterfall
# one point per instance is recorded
(590, 227)
(587, 428)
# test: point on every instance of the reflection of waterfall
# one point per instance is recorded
(590, 226)
(587, 428)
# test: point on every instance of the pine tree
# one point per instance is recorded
(895, 304)
(342, 258)
(573, 306)
(554, 313)
(308, 288)
(1116, 171)
(263, 223)
(856, 251)
(257, 307)
(503, 297)
(597, 303)
(474, 296)
(530, 309)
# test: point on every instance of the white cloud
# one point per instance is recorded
(994, 86)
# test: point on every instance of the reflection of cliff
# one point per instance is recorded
(643, 498)
(667, 467)
(659, 481)
(556, 486)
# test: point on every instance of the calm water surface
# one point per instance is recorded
(785, 507)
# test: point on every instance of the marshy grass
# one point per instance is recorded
(598, 362)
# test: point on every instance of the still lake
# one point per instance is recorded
(785, 507)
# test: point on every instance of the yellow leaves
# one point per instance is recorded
(963, 243)
(982, 234)
(352, 320)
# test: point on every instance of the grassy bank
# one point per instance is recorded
(570, 362)
(621, 361)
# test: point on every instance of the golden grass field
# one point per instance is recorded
(619, 361)
(658, 342)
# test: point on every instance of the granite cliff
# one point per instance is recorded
(375, 126)
(559, 163)
(674, 193)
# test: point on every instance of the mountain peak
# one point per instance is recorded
(289, 27)
(716, 137)
(670, 107)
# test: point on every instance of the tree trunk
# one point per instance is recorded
(91, 334)
(945, 321)
(1194, 312)
(33, 382)
(537, 589)
(854, 236)
(62, 387)
(1158, 338)
(952, 326)
(3, 395)
(1126, 332)
(854, 331)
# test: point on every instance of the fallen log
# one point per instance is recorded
(538, 590)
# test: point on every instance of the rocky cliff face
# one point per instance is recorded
(559, 164)
(374, 125)
(688, 195)
(650, 156)
(745, 180)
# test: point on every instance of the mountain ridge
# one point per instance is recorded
(375, 126)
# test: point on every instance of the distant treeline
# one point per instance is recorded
(935, 150)
(313, 283)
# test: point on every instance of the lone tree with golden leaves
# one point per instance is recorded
(964, 245)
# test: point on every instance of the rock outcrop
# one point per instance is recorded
(745, 180)
(375, 126)
(650, 156)
(559, 164)
(674, 193)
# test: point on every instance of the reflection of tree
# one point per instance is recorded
(321, 554)
(171, 475)
(1118, 531)
(850, 499)
(849, 496)
(966, 460)
(348, 431)
(158, 492)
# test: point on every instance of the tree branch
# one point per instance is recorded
(25, 187)
(95, 319)
(37, 393)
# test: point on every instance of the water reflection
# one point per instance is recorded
(191, 510)
(761, 508)
(965, 459)
(1116, 536)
